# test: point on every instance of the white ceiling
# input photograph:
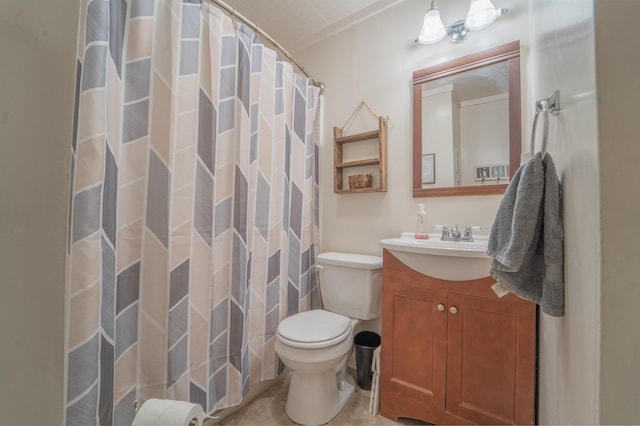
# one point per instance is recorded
(297, 24)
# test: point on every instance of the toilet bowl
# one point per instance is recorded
(315, 345)
(319, 385)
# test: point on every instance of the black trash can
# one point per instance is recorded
(365, 343)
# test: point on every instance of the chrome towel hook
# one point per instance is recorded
(550, 105)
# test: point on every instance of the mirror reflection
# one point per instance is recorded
(467, 124)
(467, 113)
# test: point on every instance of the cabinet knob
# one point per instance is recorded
(453, 310)
(440, 307)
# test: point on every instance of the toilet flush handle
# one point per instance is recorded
(319, 267)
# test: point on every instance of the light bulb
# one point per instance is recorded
(432, 28)
(482, 13)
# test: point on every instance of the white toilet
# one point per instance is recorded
(315, 345)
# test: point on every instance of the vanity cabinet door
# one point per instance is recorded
(453, 352)
(414, 363)
(490, 360)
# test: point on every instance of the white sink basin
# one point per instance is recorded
(437, 247)
(446, 260)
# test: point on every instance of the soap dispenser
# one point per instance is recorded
(421, 225)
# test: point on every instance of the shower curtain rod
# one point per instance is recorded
(234, 14)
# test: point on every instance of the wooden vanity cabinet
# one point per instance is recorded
(453, 352)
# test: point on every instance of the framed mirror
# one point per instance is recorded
(467, 124)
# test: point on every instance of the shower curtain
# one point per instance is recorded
(193, 209)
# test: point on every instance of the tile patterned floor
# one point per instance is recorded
(268, 409)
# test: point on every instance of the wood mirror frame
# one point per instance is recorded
(509, 53)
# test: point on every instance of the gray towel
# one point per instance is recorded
(526, 239)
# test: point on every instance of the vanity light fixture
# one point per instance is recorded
(482, 13)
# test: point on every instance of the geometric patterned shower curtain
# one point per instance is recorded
(193, 209)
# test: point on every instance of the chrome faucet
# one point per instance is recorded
(454, 233)
(468, 233)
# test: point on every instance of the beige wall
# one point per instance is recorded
(37, 76)
(562, 57)
(618, 87)
(373, 61)
(588, 359)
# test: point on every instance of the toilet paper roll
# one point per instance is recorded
(168, 412)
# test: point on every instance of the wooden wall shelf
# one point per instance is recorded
(380, 161)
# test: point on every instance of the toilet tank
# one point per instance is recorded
(351, 284)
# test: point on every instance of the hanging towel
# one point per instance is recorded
(526, 239)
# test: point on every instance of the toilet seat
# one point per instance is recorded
(314, 329)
